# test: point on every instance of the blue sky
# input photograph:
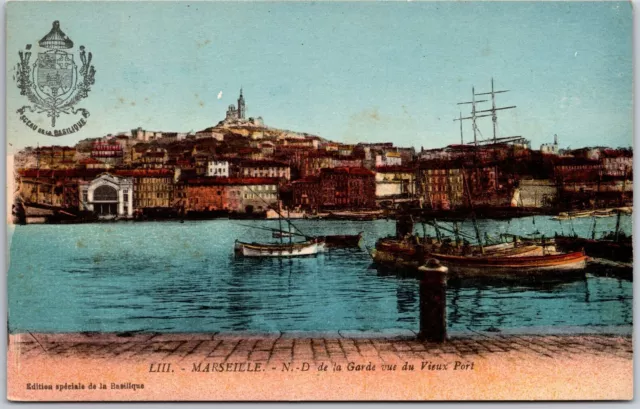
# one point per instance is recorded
(349, 72)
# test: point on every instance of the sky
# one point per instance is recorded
(350, 72)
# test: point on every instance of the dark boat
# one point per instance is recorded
(609, 249)
(343, 240)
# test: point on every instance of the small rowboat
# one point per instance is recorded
(492, 265)
(307, 248)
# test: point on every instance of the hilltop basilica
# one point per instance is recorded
(234, 114)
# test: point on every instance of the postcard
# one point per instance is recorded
(318, 201)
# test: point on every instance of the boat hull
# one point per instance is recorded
(278, 250)
(343, 241)
(524, 265)
(621, 251)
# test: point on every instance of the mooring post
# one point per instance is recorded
(433, 306)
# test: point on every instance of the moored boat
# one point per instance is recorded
(621, 250)
(343, 240)
(306, 248)
(496, 265)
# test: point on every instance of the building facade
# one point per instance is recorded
(218, 168)
(109, 196)
(347, 188)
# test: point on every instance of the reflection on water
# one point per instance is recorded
(182, 277)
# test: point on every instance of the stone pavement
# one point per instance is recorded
(334, 347)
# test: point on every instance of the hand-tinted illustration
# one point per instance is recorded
(313, 198)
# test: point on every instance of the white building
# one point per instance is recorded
(219, 168)
(108, 196)
(389, 159)
(551, 148)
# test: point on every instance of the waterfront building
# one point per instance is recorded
(536, 193)
(52, 187)
(206, 194)
(347, 188)
(108, 195)
(440, 184)
(151, 187)
(241, 195)
(255, 194)
(305, 192)
(395, 182)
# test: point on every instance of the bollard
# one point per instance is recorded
(433, 302)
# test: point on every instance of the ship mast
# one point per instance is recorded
(473, 116)
(493, 110)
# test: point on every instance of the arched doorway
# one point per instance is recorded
(105, 201)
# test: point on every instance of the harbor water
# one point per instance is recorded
(184, 277)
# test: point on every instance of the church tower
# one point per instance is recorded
(241, 107)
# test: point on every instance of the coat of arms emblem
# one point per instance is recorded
(54, 83)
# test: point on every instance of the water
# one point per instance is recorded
(183, 277)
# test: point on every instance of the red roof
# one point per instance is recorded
(351, 171)
(144, 172)
(308, 179)
(394, 169)
(90, 161)
(263, 163)
(59, 173)
(232, 181)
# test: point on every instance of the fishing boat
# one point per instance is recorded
(512, 265)
(613, 246)
(306, 248)
(517, 260)
(620, 250)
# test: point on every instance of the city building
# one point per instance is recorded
(108, 152)
(263, 169)
(218, 168)
(151, 187)
(306, 192)
(347, 188)
(241, 195)
(108, 195)
(388, 159)
(440, 184)
(551, 148)
(395, 182)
